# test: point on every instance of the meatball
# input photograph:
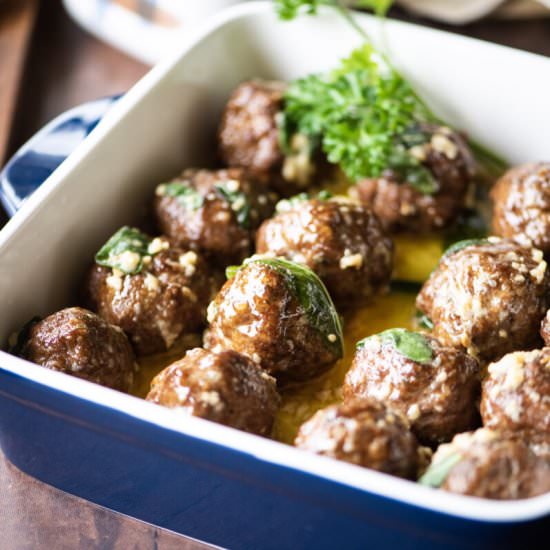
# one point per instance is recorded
(364, 432)
(435, 386)
(280, 315)
(487, 464)
(155, 305)
(214, 212)
(78, 342)
(487, 297)
(249, 137)
(545, 329)
(224, 387)
(521, 200)
(342, 242)
(516, 392)
(402, 206)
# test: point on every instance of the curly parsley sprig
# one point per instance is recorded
(364, 115)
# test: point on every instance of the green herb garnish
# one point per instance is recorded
(412, 345)
(364, 115)
(230, 271)
(424, 321)
(285, 205)
(237, 200)
(125, 250)
(312, 295)
(16, 347)
(186, 195)
(460, 245)
(437, 473)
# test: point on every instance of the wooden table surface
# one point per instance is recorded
(64, 67)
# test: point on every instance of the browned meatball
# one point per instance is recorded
(343, 243)
(249, 137)
(521, 201)
(487, 464)
(487, 297)
(224, 387)
(403, 207)
(214, 212)
(545, 329)
(364, 432)
(78, 342)
(280, 315)
(435, 386)
(516, 392)
(166, 299)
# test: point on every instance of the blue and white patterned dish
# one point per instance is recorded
(195, 477)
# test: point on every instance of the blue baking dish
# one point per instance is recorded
(197, 478)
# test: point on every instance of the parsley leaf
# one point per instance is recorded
(125, 250)
(237, 200)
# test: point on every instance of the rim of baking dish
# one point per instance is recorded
(266, 450)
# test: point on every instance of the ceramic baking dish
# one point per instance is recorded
(197, 478)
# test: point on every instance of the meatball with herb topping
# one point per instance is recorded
(78, 342)
(516, 392)
(420, 205)
(435, 386)
(364, 432)
(224, 387)
(154, 291)
(521, 200)
(280, 315)
(487, 297)
(214, 212)
(249, 137)
(488, 464)
(342, 242)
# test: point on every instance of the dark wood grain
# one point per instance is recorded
(66, 67)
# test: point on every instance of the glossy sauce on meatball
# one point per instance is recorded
(516, 392)
(258, 313)
(214, 212)
(403, 207)
(224, 387)
(487, 297)
(437, 387)
(158, 304)
(78, 342)
(342, 242)
(521, 200)
(488, 464)
(363, 432)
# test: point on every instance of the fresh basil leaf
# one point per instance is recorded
(437, 473)
(16, 348)
(186, 195)
(313, 297)
(461, 245)
(125, 250)
(412, 345)
(237, 200)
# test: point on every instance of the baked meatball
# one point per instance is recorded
(249, 137)
(155, 295)
(487, 297)
(521, 200)
(545, 329)
(435, 386)
(488, 464)
(342, 242)
(214, 212)
(78, 342)
(280, 315)
(402, 206)
(364, 432)
(224, 387)
(516, 392)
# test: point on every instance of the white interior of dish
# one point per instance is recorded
(166, 122)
